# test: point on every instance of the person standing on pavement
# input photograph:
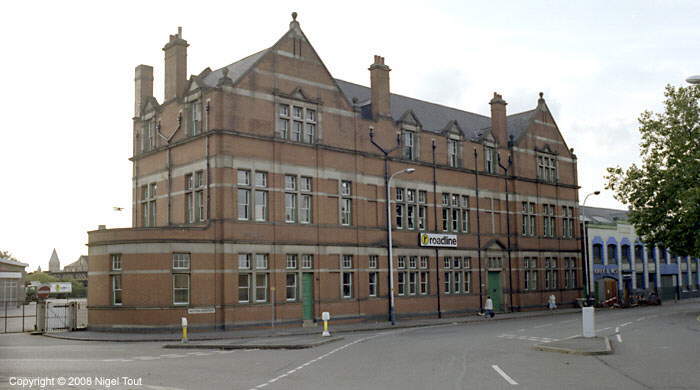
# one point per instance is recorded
(488, 307)
(552, 302)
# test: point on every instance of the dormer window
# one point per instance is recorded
(489, 160)
(148, 135)
(296, 123)
(194, 118)
(410, 145)
(547, 168)
(454, 153)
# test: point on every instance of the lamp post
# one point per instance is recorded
(386, 153)
(589, 265)
(510, 263)
(392, 306)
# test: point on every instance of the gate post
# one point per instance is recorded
(41, 316)
(72, 316)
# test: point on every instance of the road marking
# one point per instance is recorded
(626, 323)
(600, 330)
(504, 375)
(522, 330)
(567, 321)
(640, 318)
(275, 379)
(617, 329)
(542, 326)
(619, 338)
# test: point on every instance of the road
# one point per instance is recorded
(655, 348)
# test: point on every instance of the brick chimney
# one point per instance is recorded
(498, 119)
(143, 81)
(175, 66)
(379, 81)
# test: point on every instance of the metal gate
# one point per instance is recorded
(57, 316)
(17, 316)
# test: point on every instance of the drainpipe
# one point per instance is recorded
(478, 232)
(437, 253)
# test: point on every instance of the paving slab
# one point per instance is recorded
(258, 333)
(599, 345)
(294, 342)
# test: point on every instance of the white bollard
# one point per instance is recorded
(325, 316)
(184, 330)
(588, 322)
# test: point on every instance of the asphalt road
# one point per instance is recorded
(655, 348)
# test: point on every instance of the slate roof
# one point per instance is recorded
(433, 117)
(235, 70)
(604, 216)
(12, 262)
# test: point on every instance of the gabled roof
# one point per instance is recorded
(434, 117)
(235, 70)
(12, 262)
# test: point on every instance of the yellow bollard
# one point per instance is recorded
(325, 316)
(184, 330)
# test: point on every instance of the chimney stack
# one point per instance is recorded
(499, 125)
(175, 66)
(143, 81)
(379, 81)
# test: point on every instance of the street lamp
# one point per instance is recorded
(693, 79)
(589, 265)
(392, 307)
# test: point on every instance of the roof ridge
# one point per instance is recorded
(421, 100)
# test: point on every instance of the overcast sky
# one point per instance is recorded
(68, 75)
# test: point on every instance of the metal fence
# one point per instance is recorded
(59, 315)
(17, 316)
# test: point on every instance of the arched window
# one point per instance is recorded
(597, 253)
(612, 254)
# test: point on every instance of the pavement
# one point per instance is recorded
(599, 345)
(310, 333)
(288, 342)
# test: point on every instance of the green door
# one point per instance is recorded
(495, 290)
(307, 290)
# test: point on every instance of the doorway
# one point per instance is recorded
(307, 290)
(495, 290)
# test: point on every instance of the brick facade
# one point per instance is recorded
(190, 158)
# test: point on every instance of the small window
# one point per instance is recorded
(261, 179)
(298, 112)
(346, 261)
(181, 261)
(116, 290)
(243, 177)
(290, 182)
(311, 115)
(291, 287)
(307, 261)
(260, 261)
(424, 261)
(116, 262)
(399, 194)
(291, 261)
(401, 262)
(305, 184)
(284, 110)
(422, 197)
(346, 188)
(373, 260)
(244, 261)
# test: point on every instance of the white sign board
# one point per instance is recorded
(201, 310)
(10, 275)
(443, 240)
(325, 316)
(60, 288)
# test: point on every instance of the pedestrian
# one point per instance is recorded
(488, 307)
(552, 302)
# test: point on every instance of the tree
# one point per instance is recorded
(663, 194)
(41, 277)
(7, 255)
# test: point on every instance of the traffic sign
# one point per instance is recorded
(43, 292)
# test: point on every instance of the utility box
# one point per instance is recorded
(588, 321)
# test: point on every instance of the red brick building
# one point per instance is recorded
(258, 196)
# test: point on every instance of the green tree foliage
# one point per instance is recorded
(42, 277)
(664, 192)
(7, 255)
